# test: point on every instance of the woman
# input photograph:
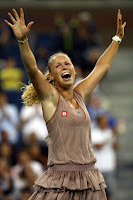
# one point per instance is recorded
(71, 174)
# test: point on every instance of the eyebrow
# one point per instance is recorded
(64, 61)
(58, 63)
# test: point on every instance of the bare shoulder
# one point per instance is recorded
(49, 105)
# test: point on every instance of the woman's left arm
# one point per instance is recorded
(104, 62)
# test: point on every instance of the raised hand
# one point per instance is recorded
(120, 26)
(19, 28)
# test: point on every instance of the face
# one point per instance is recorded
(3, 100)
(103, 122)
(23, 158)
(62, 71)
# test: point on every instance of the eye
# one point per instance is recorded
(57, 66)
(67, 63)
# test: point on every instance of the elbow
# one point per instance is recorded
(32, 71)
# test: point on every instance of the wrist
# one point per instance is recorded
(117, 39)
(120, 36)
(22, 41)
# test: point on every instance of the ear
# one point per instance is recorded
(75, 71)
(51, 77)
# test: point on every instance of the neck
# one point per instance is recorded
(69, 99)
(66, 93)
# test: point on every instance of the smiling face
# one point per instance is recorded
(62, 70)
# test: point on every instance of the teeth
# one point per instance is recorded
(65, 73)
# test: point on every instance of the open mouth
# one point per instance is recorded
(66, 76)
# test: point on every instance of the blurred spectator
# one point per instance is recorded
(10, 78)
(38, 153)
(64, 35)
(4, 38)
(86, 20)
(47, 40)
(95, 107)
(42, 55)
(8, 197)
(9, 118)
(25, 172)
(91, 58)
(25, 193)
(1, 194)
(32, 124)
(105, 146)
(79, 74)
(80, 46)
(2, 63)
(6, 152)
(6, 181)
(85, 38)
(67, 39)
(4, 136)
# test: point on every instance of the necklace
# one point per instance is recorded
(68, 99)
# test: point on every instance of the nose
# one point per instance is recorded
(64, 68)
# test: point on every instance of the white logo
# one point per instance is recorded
(64, 113)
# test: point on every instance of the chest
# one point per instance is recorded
(70, 117)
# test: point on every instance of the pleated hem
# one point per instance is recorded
(80, 180)
(55, 194)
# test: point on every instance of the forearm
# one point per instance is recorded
(107, 57)
(27, 57)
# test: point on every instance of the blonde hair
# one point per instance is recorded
(29, 95)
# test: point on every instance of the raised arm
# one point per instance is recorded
(42, 87)
(104, 62)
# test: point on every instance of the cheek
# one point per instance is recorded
(56, 74)
(73, 71)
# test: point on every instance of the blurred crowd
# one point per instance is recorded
(23, 150)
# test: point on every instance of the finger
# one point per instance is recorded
(119, 15)
(120, 22)
(29, 25)
(12, 18)
(8, 23)
(22, 15)
(15, 13)
(119, 11)
(124, 24)
(118, 18)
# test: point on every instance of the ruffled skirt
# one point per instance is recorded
(66, 184)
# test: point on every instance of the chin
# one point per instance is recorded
(67, 84)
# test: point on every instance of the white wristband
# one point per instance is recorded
(23, 41)
(117, 39)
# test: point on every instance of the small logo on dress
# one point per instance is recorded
(64, 113)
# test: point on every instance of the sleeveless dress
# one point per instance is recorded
(71, 173)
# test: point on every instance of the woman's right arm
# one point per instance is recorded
(42, 87)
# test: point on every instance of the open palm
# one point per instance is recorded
(19, 28)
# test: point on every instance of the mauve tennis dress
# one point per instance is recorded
(71, 174)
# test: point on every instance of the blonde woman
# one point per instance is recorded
(71, 174)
